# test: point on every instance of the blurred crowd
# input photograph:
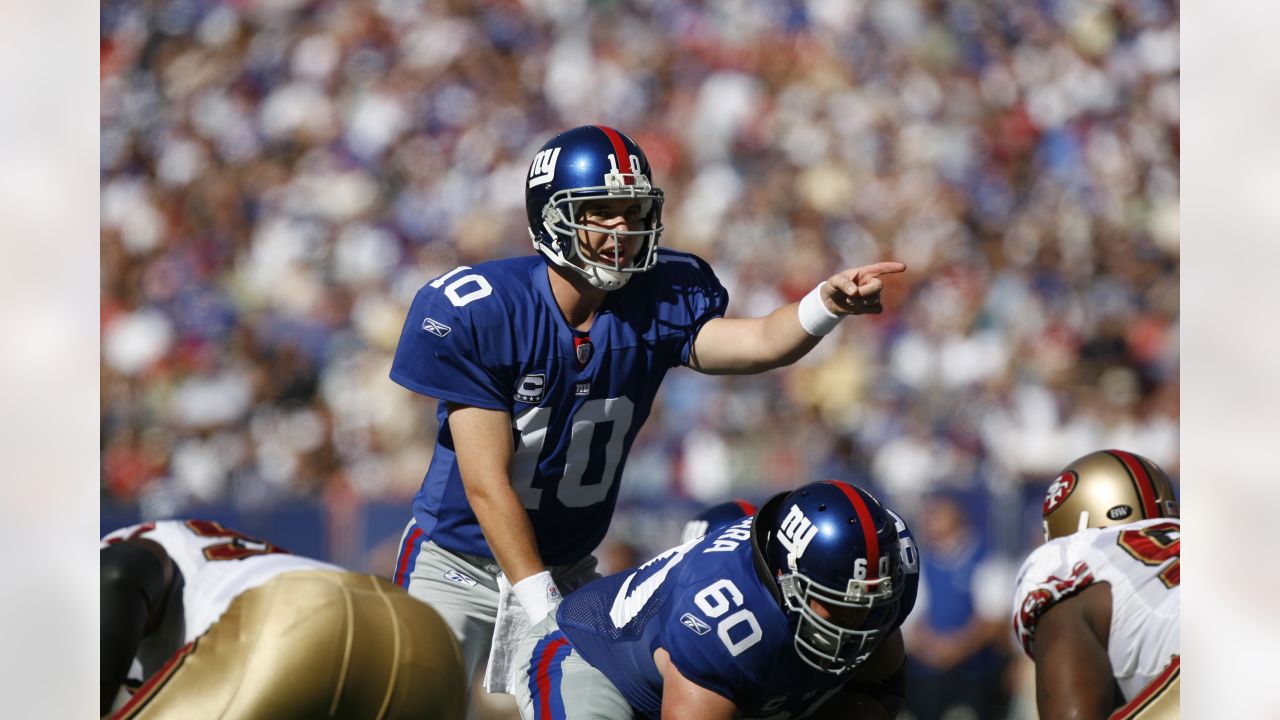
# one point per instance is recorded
(280, 176)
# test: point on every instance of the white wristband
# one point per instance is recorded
(538, 595)
(814, 316)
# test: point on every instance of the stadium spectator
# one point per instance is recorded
(957, 641)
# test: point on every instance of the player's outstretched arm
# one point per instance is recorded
(482, 441)
(135, 578)
(1073, 673)
(743, 346)
(683, 699)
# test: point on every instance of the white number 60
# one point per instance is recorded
(715, 600)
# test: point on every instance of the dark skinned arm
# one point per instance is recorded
(135, 579)
(1073, 673)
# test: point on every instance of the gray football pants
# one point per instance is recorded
(557, 684)
(464, 590)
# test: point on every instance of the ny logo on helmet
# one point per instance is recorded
(543, 169)
(796, 534)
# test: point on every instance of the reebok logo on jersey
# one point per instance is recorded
(435, 327)
(582, 389)
(531, 387)
(459, 577)
(693, 623)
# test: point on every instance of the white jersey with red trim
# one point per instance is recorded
(1141, 563)
(217, 565)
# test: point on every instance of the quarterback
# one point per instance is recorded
(1096, 607)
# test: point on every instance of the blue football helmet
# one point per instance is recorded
(716, 518)
(591, 162)
(834, 543)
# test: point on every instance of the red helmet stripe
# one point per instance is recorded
(619, 149)
(868, 526)
(746, 507)
(1141, 480)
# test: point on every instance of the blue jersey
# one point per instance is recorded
(492, 336)
(711, 606)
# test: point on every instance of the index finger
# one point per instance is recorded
(881, 268)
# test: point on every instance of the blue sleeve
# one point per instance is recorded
(439, 353)
(704, 298)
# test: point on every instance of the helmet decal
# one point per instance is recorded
(1141, 481)
(543, 169)
(868, 526)
(795, 534)
(1059, 491)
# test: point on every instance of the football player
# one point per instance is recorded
(790, 612)
(226, 626)
(546, 366)
(1096, 606)
(716, 518)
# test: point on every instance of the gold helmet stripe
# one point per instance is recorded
(1142, 482)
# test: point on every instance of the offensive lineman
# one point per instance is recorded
(226, 626)
(792, 612)
(1097, 606)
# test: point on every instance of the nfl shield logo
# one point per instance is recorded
(582, 348)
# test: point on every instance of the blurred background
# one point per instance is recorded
(278, 177)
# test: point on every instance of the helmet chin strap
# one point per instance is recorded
(603, 279)
(596, 277)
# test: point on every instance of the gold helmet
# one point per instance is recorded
(1104, 488)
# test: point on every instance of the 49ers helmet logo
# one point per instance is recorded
(1059, 491)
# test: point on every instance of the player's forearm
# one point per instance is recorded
(748, 346)
(507, 528)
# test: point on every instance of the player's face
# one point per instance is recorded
(850, 618)
(610, 215)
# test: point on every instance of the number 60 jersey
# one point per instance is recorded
(1141, 563)
(711, 605)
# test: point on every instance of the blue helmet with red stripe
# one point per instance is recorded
(586, 163)
(716, 518)
(834, 552)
